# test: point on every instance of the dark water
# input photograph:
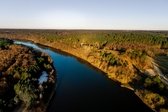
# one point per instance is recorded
(82, 88)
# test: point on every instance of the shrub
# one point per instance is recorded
(154, 99)
(137, 54)
(47, 66)
(154, 83)
(111, 59)
(40, 60)
(24, 76)
(148, 82)
(33, 68)
(5, 42)
(26, 92)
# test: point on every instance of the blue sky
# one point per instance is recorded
(85, 14)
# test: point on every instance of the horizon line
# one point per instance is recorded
(82, 29)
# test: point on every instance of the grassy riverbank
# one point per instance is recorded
(126, 56)
(20, 70)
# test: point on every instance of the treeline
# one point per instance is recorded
(100, 39)
(159, 39)
(145, 37)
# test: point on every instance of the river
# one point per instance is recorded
(83, 88)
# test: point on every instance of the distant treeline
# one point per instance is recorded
(158, 39)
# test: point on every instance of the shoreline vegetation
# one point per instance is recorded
(22, 85)
(125, 56)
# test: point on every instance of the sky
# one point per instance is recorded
(85, 14)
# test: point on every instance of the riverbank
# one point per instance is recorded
(129, 67)
(80, 56)
(21, 85)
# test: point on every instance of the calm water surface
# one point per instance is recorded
(82, 88)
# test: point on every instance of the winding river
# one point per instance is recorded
(83, 88)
